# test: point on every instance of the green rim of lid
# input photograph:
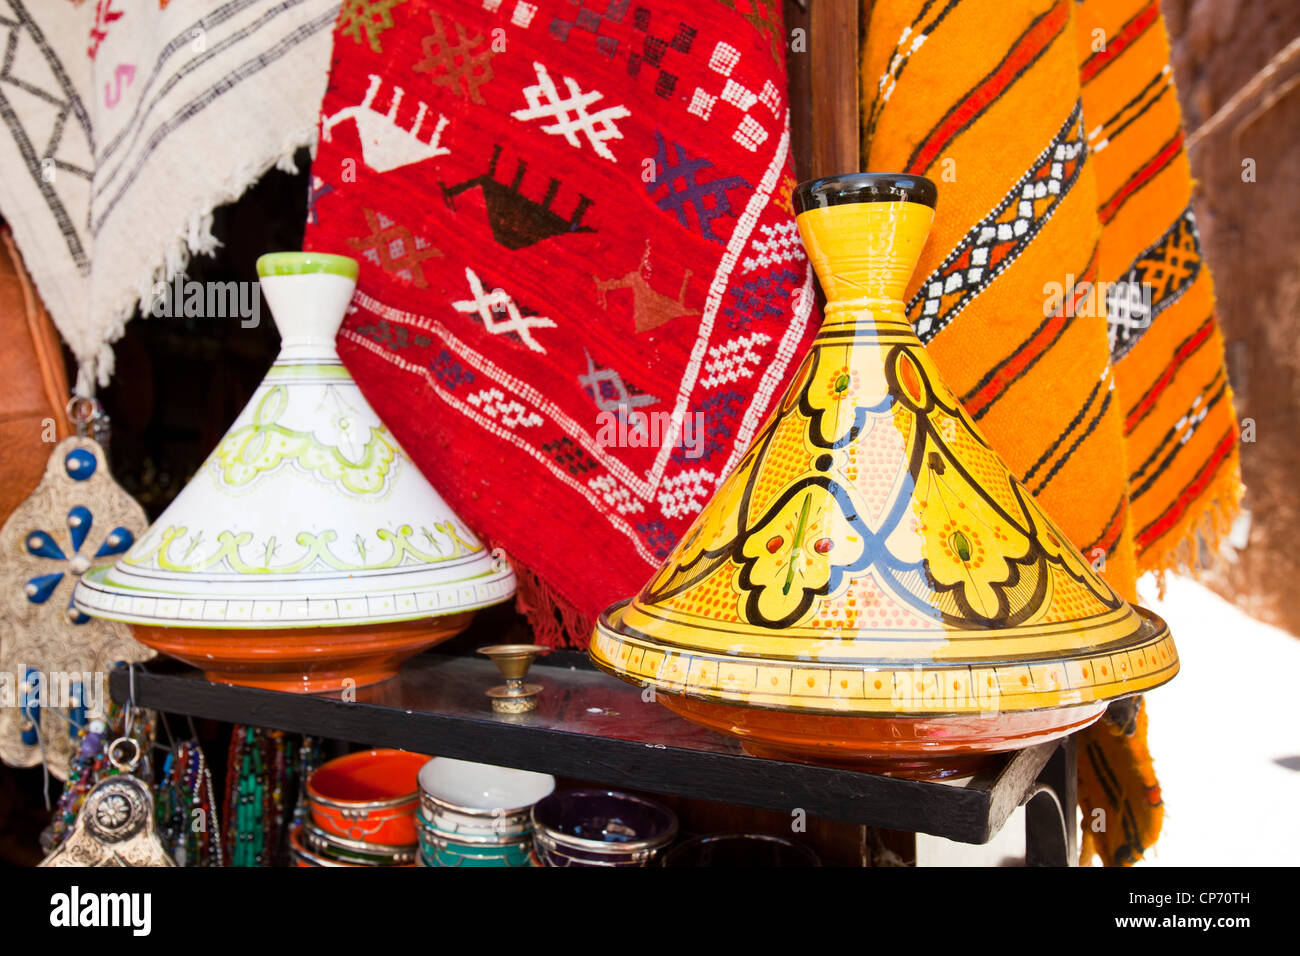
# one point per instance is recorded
(306, 263)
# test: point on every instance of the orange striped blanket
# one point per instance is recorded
(1063, 294)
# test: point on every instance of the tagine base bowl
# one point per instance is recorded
(305, 660)
(918, 748)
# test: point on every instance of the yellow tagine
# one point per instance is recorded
(871, 555)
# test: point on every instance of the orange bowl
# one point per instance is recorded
(923, 748)
(303, 660)
(369, 796)
(302, 855)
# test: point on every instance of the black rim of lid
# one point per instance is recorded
(864, 187)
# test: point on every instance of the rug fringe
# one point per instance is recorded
(193, 238)
(1209, 522)
(554, 621)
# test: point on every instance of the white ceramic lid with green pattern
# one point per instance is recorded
(308, 512)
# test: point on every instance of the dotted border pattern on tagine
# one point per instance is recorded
(835, 688)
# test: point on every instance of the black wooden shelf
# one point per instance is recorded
(593, 727)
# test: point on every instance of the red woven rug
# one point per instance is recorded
(581, 286)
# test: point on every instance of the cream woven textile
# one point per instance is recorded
(126, 122)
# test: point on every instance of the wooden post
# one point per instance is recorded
(833, 49)
(799, 86)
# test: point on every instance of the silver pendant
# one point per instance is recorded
(116, 826)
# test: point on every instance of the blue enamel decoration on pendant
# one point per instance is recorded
(79, 524)
(75, 614)
(77, 712)
(79, 464)
(42, 545)
(39, 589)
(118, 541)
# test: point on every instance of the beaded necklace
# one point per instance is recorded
(258, 785)
(186, 808)
(90, 763)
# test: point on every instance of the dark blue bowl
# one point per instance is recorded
(600, 828)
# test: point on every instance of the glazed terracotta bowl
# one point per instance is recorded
(474, 799)
(740, 850)
(600, 828)
(369, 797)
(305, 660)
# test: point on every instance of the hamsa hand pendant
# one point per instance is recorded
(54, 659)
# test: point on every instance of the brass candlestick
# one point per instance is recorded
(513, 660)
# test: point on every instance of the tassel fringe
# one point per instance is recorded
(193, 238)
(555, 622)
(1208, 523)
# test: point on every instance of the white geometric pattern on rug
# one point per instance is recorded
(750, 132)
(731, 361)
(494, 404)
(679, 494)
(615, 495)
(488, 306)
(385, 146)
(686, 492)
(780, 244)
(570, 113)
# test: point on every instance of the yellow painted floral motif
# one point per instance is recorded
(833, 395)
(1058, 548)
(969, 546)
(237, 553)
(795, 554)
(261, 447)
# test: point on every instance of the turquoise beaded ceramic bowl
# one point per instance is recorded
(439, 848)
(464, 854)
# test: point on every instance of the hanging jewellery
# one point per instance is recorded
(186, 807)
(116, 825)
(77, 517)
(309, 758)
(90, 763)
(256, 799)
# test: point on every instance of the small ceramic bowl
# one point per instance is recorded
(302, 856)
(600, 828)
(441, 849)
(355, 851)
(459, 797)
(448, 853)
(303, 853)
(369, 796)
(750, 850)
(426, 827)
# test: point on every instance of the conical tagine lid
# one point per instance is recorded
(871, 554)
(307, 513)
